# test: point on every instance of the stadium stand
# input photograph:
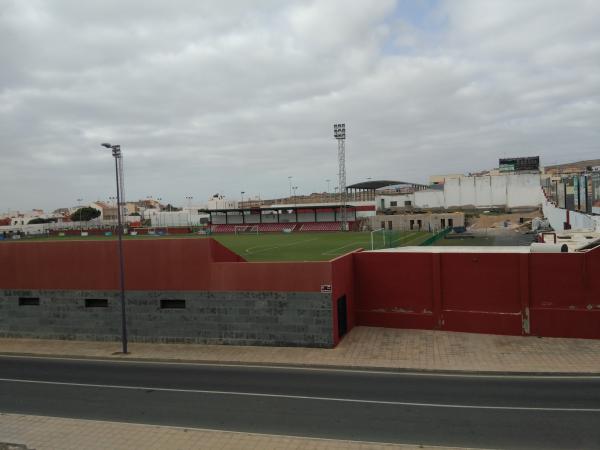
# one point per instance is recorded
(321, 226)
(221, 228)
(275, 227)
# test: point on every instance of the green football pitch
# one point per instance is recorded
(311, 246)
(286, 246)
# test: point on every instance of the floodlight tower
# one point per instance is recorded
(339, 132)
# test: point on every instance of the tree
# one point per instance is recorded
(85, 214)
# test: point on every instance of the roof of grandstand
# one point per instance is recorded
(277, 207)
(378, 184)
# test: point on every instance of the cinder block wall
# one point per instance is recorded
(236, 318)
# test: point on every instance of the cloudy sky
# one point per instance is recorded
(227, 96)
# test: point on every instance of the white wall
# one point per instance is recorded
(430, 198)
(579, 221)
(523, 190)
(508, 190)
(400, 200)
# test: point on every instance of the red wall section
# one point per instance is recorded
(342, 277)
(161, 264)
(270, 276)
(559, 280)
(499, 293)
(394, 289)
(481, 282)
(565, 294)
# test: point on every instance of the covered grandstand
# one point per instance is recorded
(367, 190)
(289, 218)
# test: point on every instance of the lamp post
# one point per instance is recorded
(242, 202)
(290, 183)
(116, 152)
(295, 189)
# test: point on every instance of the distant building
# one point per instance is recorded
(440, 179)
(522, 164)
(107, 212)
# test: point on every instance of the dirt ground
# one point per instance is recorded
(482, 220)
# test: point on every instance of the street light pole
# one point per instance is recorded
(290, 182)
(116, 152)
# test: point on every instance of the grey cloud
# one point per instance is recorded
(217, 96)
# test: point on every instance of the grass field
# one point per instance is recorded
(309, 246)
(286, 247)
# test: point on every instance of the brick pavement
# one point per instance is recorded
(363, 347)
(51, 433)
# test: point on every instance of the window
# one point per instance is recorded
(29, 301)
(393, 203)
(172, 304)
(96, 303)
(407, 203)
(389, 224)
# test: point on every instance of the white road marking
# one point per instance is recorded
(301, 397)
(392, 371)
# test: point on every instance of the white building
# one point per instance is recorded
(518, 190)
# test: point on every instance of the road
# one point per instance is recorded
(432, 409)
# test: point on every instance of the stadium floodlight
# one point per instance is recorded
(339, 132)
(116, 152)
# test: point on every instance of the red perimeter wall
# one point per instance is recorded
(161, 264)
(500, 293)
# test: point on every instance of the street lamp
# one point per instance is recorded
(290, 182)
(295, 188)
(116, 152)
(242, 203)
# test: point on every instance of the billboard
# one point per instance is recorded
(569, 197)
(582, 193)
(595, 192)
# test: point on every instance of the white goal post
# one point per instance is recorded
(245, 229)
(379, 230)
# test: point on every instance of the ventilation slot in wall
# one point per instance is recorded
(172, 304)
(29, 301)
(96, 303)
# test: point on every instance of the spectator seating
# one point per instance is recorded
(275, 227)
(321, 226)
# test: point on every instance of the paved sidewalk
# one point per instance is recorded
(51, 433)
(364, 347)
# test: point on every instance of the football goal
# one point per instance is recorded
(378, 239)
(245, 229)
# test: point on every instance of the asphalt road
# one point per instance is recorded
(473, 411)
